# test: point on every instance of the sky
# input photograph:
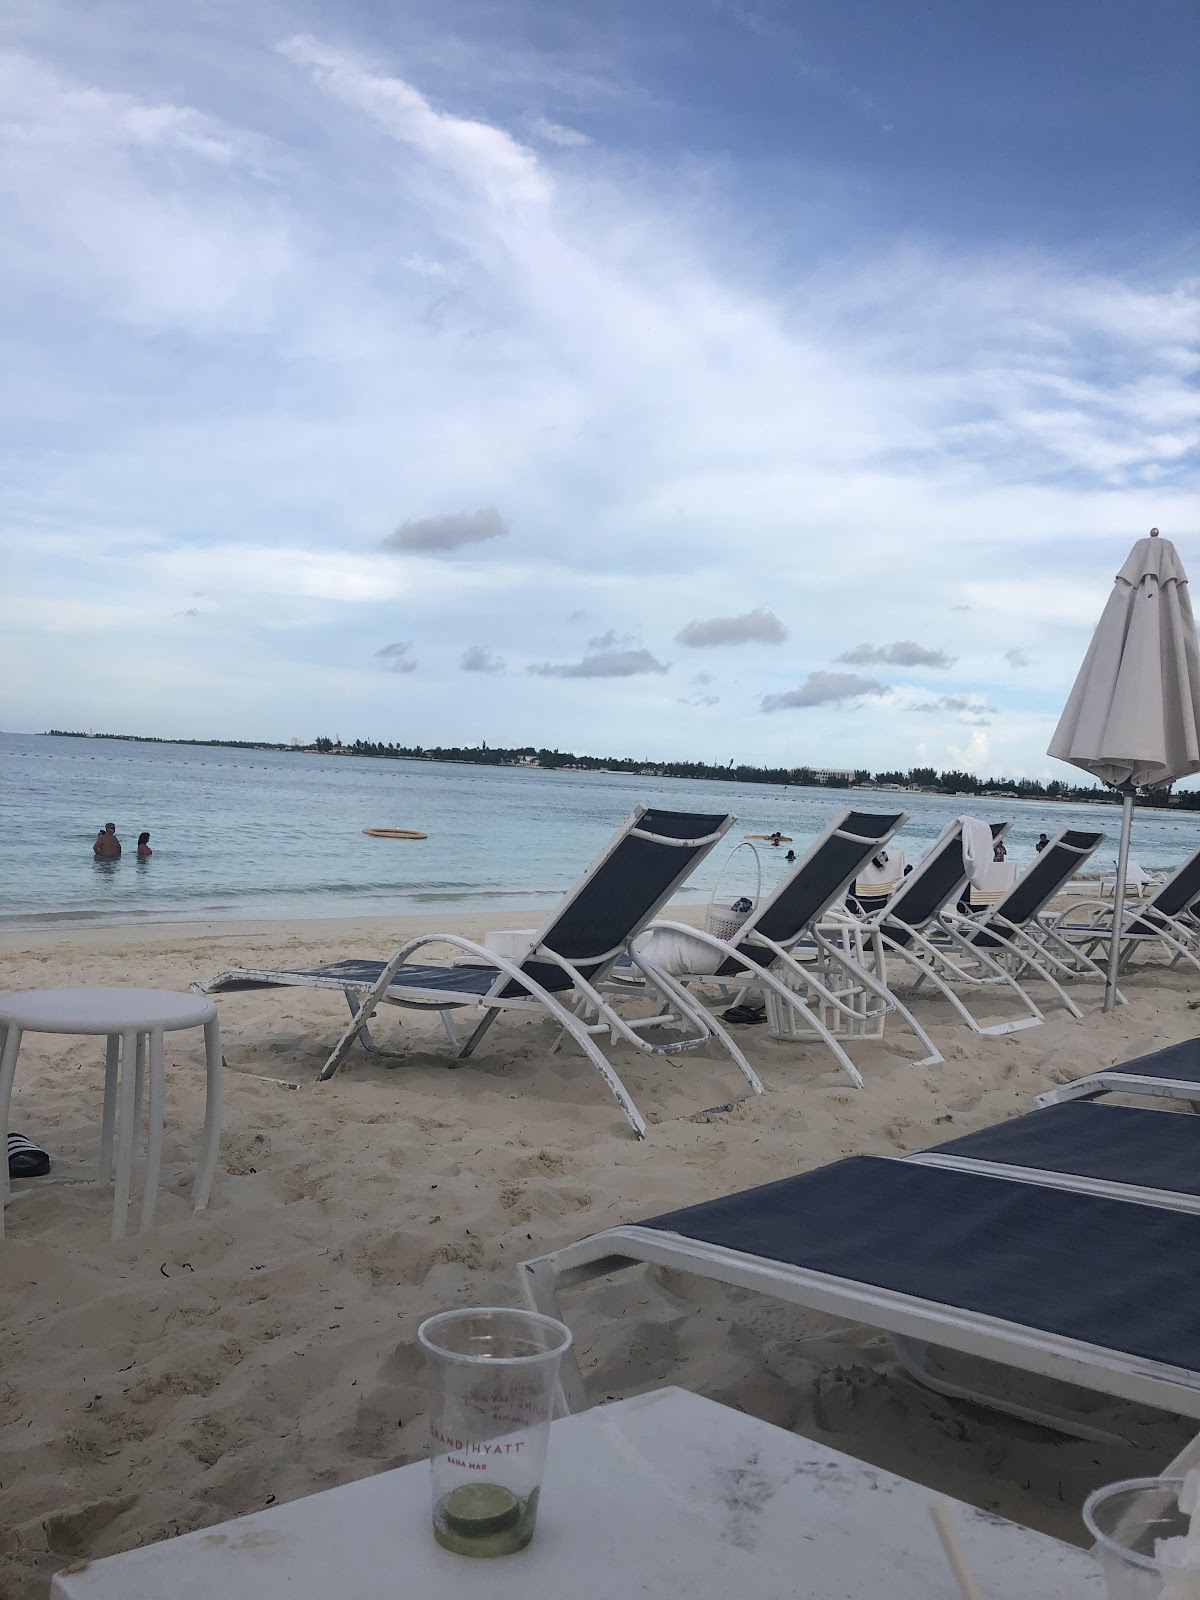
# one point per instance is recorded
(780, 382)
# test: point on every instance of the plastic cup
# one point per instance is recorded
(493, 1382)
(1127, 1520)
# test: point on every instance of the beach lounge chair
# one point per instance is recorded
(1126, 1152)
(918, 926)
(566, 960)
(1092, 1289)
(1168, 917)
(832, 995)
(1012, 929)
(1172, 1073)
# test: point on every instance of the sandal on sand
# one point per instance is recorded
(745, 1014)
(25, 1160)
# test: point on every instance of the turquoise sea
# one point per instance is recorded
(239, 833)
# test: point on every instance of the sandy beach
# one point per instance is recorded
(265, 1348)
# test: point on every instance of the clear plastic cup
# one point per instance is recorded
(1127, 1520)
(493, 1382)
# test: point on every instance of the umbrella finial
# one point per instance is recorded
(1154, 533)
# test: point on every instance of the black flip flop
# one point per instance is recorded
(745, 1014)
(25, 1160)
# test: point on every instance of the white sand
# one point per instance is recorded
(266, 1347)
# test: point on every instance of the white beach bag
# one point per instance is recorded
(683, 954)
(722, 921)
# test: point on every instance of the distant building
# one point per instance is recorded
(824, 774)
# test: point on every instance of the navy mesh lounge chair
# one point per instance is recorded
(917, 926)
(1129, 1152)
(834, 997)
(568, 957)
(1013, 930)
(1172, 1073)
(1170, 917)
(1090, 1289)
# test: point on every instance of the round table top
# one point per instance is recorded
(104, 1010)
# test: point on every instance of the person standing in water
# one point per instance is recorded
(107, 846)
(143, 848)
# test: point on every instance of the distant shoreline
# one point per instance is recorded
(917, 780)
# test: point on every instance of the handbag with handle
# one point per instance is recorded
(721, 920)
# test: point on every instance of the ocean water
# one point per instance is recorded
(247, 833)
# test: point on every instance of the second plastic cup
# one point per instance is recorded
(493, 1379)
(1127, 1520)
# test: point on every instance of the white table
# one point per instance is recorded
(663, 1496)
(133, 1021)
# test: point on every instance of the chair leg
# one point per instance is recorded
(125, 1135)
(108, 1124)
(914, 1359)
(8, 1071)
(354, 999)
(478, 1032)
(154, 1131)
(206, 1166)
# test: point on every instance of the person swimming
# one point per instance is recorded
(107, 846)
(143, 846)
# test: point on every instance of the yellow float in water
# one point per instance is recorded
(771, 838)
(394, 833)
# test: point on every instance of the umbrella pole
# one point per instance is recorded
(1114, 946)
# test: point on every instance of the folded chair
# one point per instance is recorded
(1169, 917)
(567, 958)
(1090, 1289)
(834, 996)
(1012, 930)
(919, 927)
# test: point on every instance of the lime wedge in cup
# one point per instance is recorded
(480, 1510)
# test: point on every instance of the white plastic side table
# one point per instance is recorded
(134, 1022)
(667, 1497)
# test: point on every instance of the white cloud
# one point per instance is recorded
(490, 164)
(144, 204)
(475, 658)
(253, 340)
(967, 705)
(611, 640)
(605, 664)
(904, 653)
(825, 689)
(447, 533)
(755, 627)
(398, 656)
(556, 133)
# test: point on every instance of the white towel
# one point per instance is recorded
(678, 953)
(978, 848)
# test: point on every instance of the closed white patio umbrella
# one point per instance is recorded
(1133, 717)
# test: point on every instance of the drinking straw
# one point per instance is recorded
(941, 1521)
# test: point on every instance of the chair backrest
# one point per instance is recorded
(929, 886)
(1041, 881)
(626, 887)
(823, 873)
(1180, 889)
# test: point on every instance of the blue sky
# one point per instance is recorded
(774, 382)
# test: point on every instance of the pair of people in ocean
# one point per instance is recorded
(108, 847)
